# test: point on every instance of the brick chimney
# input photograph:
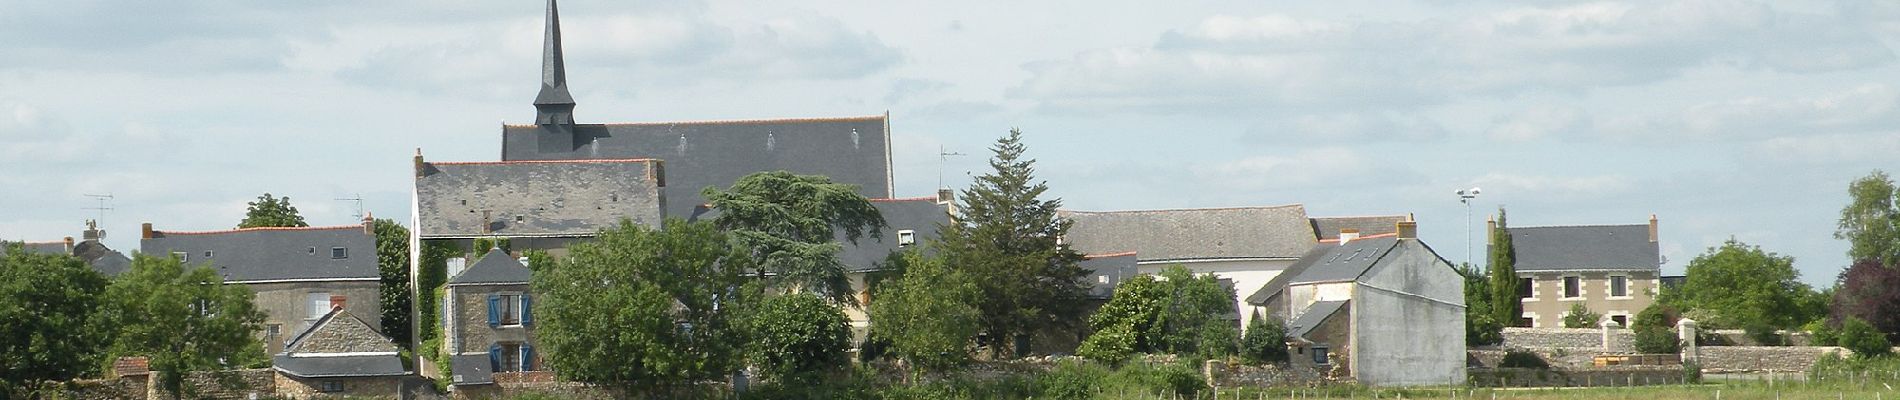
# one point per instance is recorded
(947, 197)
(369, 223)
(1652, 228)
(1348, 235)
(338, 301)
(1408, 230)
(145, 231)
(69, 245)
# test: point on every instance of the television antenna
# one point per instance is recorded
(102, 207)
(359, 204)
(944, 155)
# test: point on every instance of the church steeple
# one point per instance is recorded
(554, 105)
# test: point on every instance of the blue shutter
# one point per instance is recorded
(527, 358)
(527, 310)
(494, 310)
(494, 357)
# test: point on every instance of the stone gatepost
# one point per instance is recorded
(1685, 331)
(1609, 334)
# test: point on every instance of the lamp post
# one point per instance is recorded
(1465, 196)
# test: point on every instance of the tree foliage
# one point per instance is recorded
(1265, 341)
(1179, 313)
(183, 318)
(1871, 220)
(1863, 339)
(790, 224)
(52, 331)
(1481, 326)
(1653, 330)
(928, 314)
(392, 262)
(1870, 292)
(1745, 286)
(271, 212)
(1007, 240)
(797, 337)
(1581, 317)
(643, 308)
(1505, 304)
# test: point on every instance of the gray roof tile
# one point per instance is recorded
(527, 199)
(339, 367)
(496, 267)
(1343, 262)
(296, 361)
(1194, 234)
(1328, 227)
(920, 215)
(1585, 248)
(471, 369)
(851, 150)
(1312, 317)
(268, 254)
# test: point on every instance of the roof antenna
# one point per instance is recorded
(101, 208)
(942, 155)
(359, 204)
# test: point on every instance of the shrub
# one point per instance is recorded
(1482, 330)
(1167, 379)
(797, 337)
(1764, 335)
(1581, 317)
(1265, 342)
(1822, 334)
(1523, 359)
(1861, 338)
(1653, 334)
(1692, 372)
(1111, 346)
(1219, 338)
(1072, 380)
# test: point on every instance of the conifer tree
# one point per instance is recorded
(1505, 305)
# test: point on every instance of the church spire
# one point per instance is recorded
(553, 106)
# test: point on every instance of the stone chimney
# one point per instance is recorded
(145, 230)
(1348, 235)
(1408, 230)
(419, 166)
(947, 198)
(1490, 225)
(69, 245)
(369, 223)
(92, 232)
(1652, 228)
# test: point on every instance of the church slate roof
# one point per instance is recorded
(275, 254)
(1278, 232)
(496, 267)
(1585, 248)
(537, 198)
(1327, 228)
(850, 150)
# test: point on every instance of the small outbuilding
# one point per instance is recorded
(340, 355)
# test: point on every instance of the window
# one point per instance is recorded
(510, 309)
(312, 250)
(1621, 320)
(273, 333)
(338, 253)
(331, 386)
(520, 219)
(1319, 355)
(181, 256)
(510, 358)
(1525, 289)
(207, 254)
(319, 305)
(906, 237)
(1102, 279)
(1573, 287)
(1619, 286)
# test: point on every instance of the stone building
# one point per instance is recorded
(490, 321)
(298, 274)
(1612, 270)
(545, 205)
(89, 249)
(340, 355)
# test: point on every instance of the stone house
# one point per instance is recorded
(1613, 270)
(298, 274)
(490, 321)
(1385, 311)
(103, 259)
(339, 355)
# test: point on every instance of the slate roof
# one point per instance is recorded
(1327, 228)
(496, 267)
(469, 369)
(1282, 232)
(538, 198)
(1343, 262)
(1314, 315)
(1585, 248)
(350, 349)
(921, 215)
(1106, 271)
(58, 247)
(338, 367)
(273, 254)
(1275, 286)
(103, 259)
(701, 154)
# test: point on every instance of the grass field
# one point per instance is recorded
(1724, 391)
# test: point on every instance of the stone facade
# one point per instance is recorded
(287, 307)
(222, 385)
(130, 387)
(1546, 305)
(299, 388)
(1762, 358)
(470, 333)
(1335, 334)
(1573, 339)
(345, 334)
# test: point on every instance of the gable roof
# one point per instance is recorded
(1314, 315)
(496, 267)
(536, 198)
(1327, 228)
(339, 345)
(1343, 262)
(103, 259)
(920, 215)
(701, 154)
(257, 255)
(1278, 232)
(1585, 248)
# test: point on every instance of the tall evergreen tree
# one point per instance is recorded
(791, 223)
(271, 212)
(1007, 239)
(1871, 220)
(392, 262)
(1505, 306)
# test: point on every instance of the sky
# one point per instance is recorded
(1725, 119)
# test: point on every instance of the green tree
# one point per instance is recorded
(1265, 341)
(643, 308)
(1481, 325)
(1505, 304)
(52, 331)
(271, 212)
(1581, 317)
(790, 223)
(1871, 222)
(1007, 239)
(184, 319)
(1863, 339)
(1654, 334)
(929, 314)
(1179, 313)
(797, 337)
(392, 261)
(1745, 286)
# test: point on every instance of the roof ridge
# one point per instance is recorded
(897, 199)
(262, 228)
(1362, 216)
(1644, 225)
(741, 121)
(1106, 255)
(577, 161)
(1294, 205)
(1364, 237)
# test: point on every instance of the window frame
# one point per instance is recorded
(339, 253)
(1567, 286)
(510, 308)
(510, 350)
(311, 308)
(330, 386)
(1611, 284)
(1527, 288)
(1322, 355)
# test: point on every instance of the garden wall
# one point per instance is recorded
(1604, 376)
(1761, 358)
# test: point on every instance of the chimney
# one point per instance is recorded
(1348, 235)
(947, 198)
(1490, 225)
(338, 301)
(488, 223)
(145, 231)
(69, 244)
(418, 163)
(1408, 230)
(92, 232)
(369, 223)
(1652, 228)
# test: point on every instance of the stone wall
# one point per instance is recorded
(131, 387)
(472, 333)
(1605, 376)
(224, 385)
(1586, 339)
(297, 388)
(1233, 375)
(1762, 358)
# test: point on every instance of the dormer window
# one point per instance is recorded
(338, 253)
(520, 219)
(181, 256)
(207, 254)
(906, 237)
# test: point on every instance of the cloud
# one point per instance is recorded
(1569, 188)
(1540, 121)
(1229, 63)
(1857, 109)
(1347, 126)
(1829, 149)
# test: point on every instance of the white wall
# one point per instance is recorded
(1409, 322)
(1248, 276)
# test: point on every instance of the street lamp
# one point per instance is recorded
(1465, 196)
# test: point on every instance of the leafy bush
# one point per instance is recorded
(1112, 346)
(797, 337)
(1581, 317)
(1219, 338)
(1482, 330)
(1523, 359)
(1692, 372)
(1821, 333)
(1861, 338)
(1072, 380)
(1764, 335)
(1167, 379)
(1265, 342)
(1653, 333)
